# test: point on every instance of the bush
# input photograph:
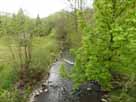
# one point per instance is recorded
(8, 76)
(63, 72)
(127, 92)
(12, 96)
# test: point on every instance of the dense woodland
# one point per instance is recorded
(102, 41)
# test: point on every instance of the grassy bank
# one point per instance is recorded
(44, 51)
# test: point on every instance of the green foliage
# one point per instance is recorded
(8, 72)
(109, 45)
(12, 96)
(44, 51)
(127, 93)
(39, 28)
(21, 41)
(63, 71)
(7, 76)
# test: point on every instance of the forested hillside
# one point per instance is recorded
(101, 39)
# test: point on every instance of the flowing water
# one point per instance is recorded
(59, 89)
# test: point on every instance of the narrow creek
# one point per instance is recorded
(59, 89)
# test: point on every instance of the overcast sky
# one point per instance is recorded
(34, 7)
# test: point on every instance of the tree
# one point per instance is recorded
(39, 28)
(61, 31)
(20, 30)
(108, 47)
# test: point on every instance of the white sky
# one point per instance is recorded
(33, 7)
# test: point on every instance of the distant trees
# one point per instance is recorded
(61, 31)
(81, 15)
(40, 28)
(62, 25)
(75, 6)
(1, 26)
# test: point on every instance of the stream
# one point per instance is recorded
(59, 89)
